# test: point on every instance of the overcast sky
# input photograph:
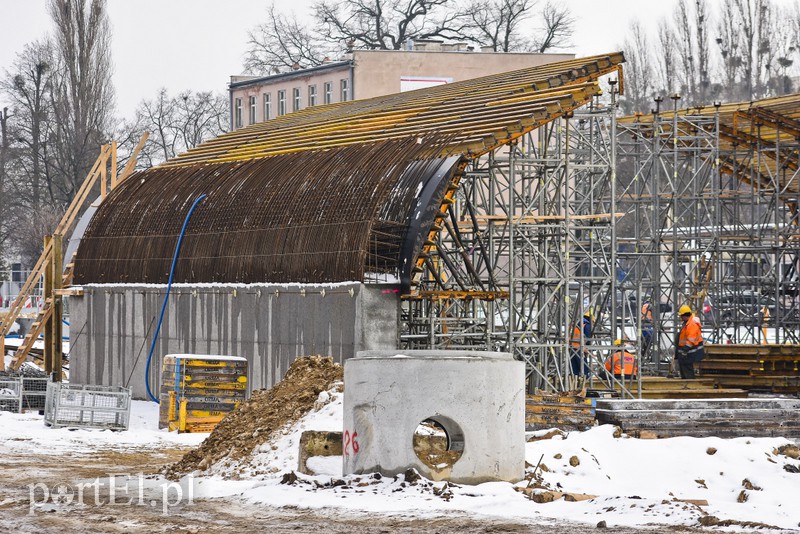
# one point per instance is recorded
(198, 44)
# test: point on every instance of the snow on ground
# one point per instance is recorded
(143, 433)
(636, 482)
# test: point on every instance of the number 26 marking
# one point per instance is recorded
(350, 441)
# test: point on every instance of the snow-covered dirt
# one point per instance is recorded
(637, 484)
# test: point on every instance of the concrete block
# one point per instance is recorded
(477, 398)
(317, 443)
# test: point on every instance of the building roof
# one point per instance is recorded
(247, 81)
(326, 194)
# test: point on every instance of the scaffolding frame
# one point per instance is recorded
(712, 222)
(529, 246)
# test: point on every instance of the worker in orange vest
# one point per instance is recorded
(690, 343)
(622, 360)
(579, 361)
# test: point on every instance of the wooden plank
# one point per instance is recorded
(750, 428)
(557, 399)
(763, 415)
(21, 355)
(750, 350)
(660, 383)
(771, 383)
(703, 432)
(554, 409)
(131, 165)
(721, 393)
(56, 347)
(70, 292)
(692, 404)
(725, 365)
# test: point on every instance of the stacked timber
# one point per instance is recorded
(773, 368)
(564, 411)
(659, 387)
(198, 391)
(727, 418)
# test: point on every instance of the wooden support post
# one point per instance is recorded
(48, 325)
(56, 349)
(113, 163)
(104, 177)
(131, 165)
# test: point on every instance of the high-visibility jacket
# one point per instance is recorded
(647, 313)
(615, 362)
(690, 341)
(575, 339)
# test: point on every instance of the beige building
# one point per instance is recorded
(368, 73)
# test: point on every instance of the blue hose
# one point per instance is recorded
(166, 297)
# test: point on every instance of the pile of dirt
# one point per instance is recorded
(267, 411)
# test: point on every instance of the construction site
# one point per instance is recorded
(456, 249)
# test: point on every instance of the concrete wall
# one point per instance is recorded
(112, 327)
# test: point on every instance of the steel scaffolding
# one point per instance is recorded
(696, 206)
(711, 221)
(528, 248)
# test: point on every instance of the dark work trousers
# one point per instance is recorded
(686, 367)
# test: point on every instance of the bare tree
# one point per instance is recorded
(785, 46)
(557, 26)
(729, 48)
(666, 62)
(83, 96)
(494, 24)
(28, 87)
(701, 28)
(639, 71)
(692, 29)
(500, 25)
(5, 145)
(282, 43)
(176, 124)
(754, 18)
(380, 24)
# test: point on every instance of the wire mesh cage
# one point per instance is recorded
(34, 393)
(87, 406)
(11, 394)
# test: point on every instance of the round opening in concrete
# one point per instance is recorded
(438, 442)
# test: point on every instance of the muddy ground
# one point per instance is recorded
(21, 468)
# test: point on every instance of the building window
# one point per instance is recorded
(312, 95)
(328, 92)
(296, 99)
(345, 86)
(267, 106)
(281, 102)
(252, 110)
(237, 113)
